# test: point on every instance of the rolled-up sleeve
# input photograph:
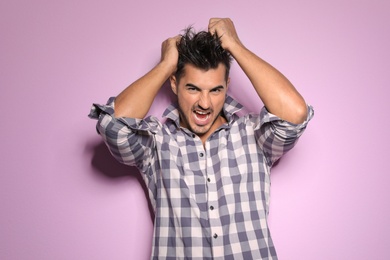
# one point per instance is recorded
(130, 140)
(276, 136)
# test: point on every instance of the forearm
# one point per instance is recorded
(274, 89)
(136, 100)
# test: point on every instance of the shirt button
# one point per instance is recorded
(211, 207)
(215, 235)
(201, 154)
(208, 179)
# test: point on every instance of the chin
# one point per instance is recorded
(200, 130)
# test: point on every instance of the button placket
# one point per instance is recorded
(212, 195)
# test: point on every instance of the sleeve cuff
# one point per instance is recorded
(99, 111)
(266, 117)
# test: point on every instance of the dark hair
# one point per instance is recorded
(202, 50)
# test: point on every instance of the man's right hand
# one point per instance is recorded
(169, 53)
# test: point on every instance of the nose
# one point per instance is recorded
(204, 101)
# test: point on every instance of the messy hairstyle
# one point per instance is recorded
(202, 50)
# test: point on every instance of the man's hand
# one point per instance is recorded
(169, 53)
(225, 29)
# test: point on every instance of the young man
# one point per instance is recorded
(207, 170)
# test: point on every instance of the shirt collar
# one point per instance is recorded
(230, 108)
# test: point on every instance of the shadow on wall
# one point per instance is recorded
(105, 165)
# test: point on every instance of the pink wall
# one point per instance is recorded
(63, 197)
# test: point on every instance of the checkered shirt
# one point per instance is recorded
(211, 201)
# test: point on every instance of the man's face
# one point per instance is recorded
(201, 96)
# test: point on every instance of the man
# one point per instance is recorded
(207, 170)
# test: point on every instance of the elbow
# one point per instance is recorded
(300, 114)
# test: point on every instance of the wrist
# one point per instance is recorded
(169, 65)
(235, 44)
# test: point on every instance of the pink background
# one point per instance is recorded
(62, 196)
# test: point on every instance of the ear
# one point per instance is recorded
(173, 84)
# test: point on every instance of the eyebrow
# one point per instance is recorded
(198, 88)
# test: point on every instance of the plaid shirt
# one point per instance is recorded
(211, 201)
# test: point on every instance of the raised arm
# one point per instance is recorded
(274, 89)
(136, 100)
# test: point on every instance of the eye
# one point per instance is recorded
(191, 89)
(216, 90)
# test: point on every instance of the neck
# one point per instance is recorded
(218, 122)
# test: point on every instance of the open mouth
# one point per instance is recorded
(201, 117)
